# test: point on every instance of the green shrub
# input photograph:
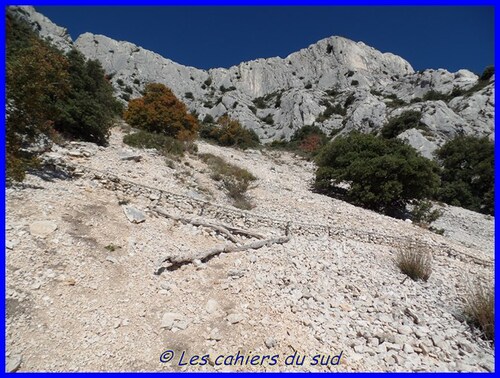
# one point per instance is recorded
(380, 174)
(137, 81)
(234, 179)
(120, 82)
(433, 95)
(230, 133)
(189, 95)
(208, 119)
(354, 82)
(487, 73)
(479, 309)
(409, 119)
(396, 101)
(208, 82)
(308, 86)
(415, 262)
(268, 119)
(349, 101)
(330, 110)
(164, 144)
(422, 213)
(468, 173)
(50, 95)
(260, 103)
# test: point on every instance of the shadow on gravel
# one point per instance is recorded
(51, 173)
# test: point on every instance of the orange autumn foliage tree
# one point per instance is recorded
(159, 111)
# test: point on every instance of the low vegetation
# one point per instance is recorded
(423, 213)
(51, 94)
(164, 144)
(379, 174)
(229, 133)
(235, 180)
(479, 309)
(306, 141)
(415, 262)
(467, 174)
(159, 111)
(407, 120)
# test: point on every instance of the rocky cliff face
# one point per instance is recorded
(359, 87)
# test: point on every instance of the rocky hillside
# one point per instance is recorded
(92, 282)
(337, 84)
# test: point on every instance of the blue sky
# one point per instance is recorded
(207, 37)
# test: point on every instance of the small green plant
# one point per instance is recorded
(234, 179)
(164, 144)
(407, 120)
(260, 102)
(208, 119)
(128, 89)
(479, 309)
(423, 214)
(439, 231)
(354, 83)
(396, 101)
(111, 247)
(308, 86)
(189, 95)
(415, 262)
(208, 82)
(487, 73)
(120, 82)
(137, 81)
(268, 119)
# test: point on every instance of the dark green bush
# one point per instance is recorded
(380, 174)
(268, 119)
(487, 73)
(330, 110)
(349, 101)
(422, 213)
(354, 82)
(468, 173)
(189, 95)
(137, 81)
(120, 82)
(396, 101)
(208, 82)
(128, 89)
(208, 119)
(260, 103)
(409, 119)
(308, 86)
(433, 95)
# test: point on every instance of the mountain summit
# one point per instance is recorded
(336, 83)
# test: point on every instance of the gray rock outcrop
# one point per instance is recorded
(277, 96)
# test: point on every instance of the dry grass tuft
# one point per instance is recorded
(479, 309)
(415, 262)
